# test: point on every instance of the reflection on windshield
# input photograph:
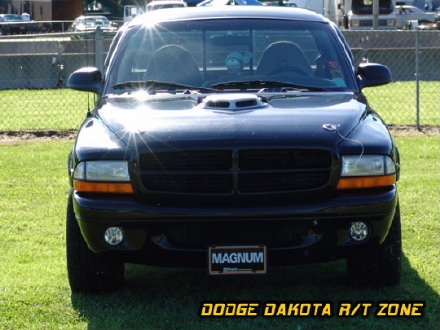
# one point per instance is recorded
(203, 54)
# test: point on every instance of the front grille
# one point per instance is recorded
(189, 160)
(282, 159)
(188, 183)
(270, 182)
(228, 173)
(369, 22)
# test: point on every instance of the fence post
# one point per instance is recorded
(98, 48)
(417, 81)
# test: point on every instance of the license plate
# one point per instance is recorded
(227, 260)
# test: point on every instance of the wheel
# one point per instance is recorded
(88, 271)
(381, 266)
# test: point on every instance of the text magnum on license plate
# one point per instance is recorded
(224, 260)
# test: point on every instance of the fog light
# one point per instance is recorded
(358, 231)
(114, 235)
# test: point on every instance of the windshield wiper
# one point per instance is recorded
(158, 85)
(264, 84)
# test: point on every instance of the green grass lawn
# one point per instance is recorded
(397, 102)
(43, 109)
(34, 293)
(65, 109)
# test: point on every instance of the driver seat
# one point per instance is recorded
(173, 63)
(283, 56)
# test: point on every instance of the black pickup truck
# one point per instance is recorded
(236, 139)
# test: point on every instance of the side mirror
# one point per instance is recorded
(87, 79)
(373, 74)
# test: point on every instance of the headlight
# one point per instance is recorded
(102, 177)
(102, 170)
(367, 165)
(391, 22)
(367, 171)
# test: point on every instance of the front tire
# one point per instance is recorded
(88, 271)
(381, 266)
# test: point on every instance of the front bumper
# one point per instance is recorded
(181, 236)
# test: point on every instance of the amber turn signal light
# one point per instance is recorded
(364, 182)
(103, 187)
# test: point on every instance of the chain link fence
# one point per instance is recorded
(413, 57)
(34, 69)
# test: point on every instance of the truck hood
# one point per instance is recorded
(166, 122)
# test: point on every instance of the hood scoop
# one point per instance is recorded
(233, 102)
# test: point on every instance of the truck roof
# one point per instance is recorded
(259, 12)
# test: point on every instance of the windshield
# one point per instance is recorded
(217, 52)
(365, 7)
(164, 5)
(12, 17)
(95, 21)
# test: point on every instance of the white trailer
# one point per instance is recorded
(328, 8)
(360, 14)
(315, 5)
(131, 11)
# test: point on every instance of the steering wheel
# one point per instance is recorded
(288, 68)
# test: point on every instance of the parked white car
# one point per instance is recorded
(91, 22)
(405, 13)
